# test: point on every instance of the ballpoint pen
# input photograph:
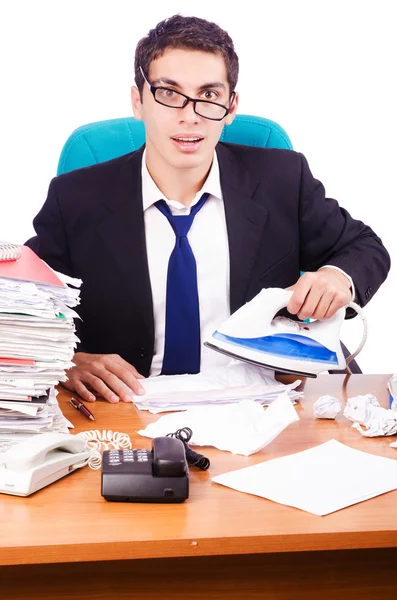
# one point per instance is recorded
(78, 405)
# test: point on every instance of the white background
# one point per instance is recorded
(324, 70)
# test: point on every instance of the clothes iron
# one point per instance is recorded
(253, 334)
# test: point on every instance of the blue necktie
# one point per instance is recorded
(182, 318)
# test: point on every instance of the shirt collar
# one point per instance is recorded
(151, 193)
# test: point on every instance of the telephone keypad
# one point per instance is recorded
(114, 458)
(118, 457)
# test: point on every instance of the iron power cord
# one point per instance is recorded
(193, 458)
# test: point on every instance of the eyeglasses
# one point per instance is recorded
(204, 108)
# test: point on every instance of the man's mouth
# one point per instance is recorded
(187, 142)
(187, 139)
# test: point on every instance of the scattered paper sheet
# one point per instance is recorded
(242, 428)
(320, 480)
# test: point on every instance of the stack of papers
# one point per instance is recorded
(36, 416)
(37, 341)
(231, 383)
(37, 337)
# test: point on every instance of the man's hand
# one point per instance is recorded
(319, 295)
(107, 374)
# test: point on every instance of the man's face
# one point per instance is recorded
(199, 75)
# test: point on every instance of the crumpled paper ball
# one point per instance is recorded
(359, 408)
(369, 418)
(326, 407)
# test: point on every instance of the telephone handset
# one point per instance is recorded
(157, 475)
(40, 460)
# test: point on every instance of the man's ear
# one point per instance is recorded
(233, 111)
(136, 103)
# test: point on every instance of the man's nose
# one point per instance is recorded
(187, 113)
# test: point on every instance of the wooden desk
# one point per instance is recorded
(66, 540)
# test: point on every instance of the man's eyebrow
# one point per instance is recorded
(205, 86)
(212, 84)
(165, 80)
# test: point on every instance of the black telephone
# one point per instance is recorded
(157, 475)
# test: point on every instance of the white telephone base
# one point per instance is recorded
(36, 462)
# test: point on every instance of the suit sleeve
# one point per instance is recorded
(330, 236)
(51, 243)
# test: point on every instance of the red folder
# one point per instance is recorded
(16, 361)
(29, 267)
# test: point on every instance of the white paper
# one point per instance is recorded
(320, 480)
(230, 383)
(242, 428)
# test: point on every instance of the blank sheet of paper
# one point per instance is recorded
(320, 480)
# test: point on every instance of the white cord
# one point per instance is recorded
(360, 312)
(97, 442)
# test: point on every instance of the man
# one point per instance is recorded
(252, 218)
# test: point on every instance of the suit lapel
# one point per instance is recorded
(245, 220)
(123, 231)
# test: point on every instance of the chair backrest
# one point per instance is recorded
(97, 142)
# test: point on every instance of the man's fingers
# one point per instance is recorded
(323, 306)
(108, 385)
(313, 300)
(340, 300)
(75, 384)
(318, 295)
(98, 384)
(118, 385)
(106, 374)
(301, 289)
(118, 380)
(127, 379)
(83, 392)
(117, 358)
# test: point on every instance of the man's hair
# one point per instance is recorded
(190, 33)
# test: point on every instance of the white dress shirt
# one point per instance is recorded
(209, 242)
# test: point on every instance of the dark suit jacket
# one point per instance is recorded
(279, 222)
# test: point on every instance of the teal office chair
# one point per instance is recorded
(97, 142)
(104, 140)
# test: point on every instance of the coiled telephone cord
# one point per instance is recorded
(97, 442)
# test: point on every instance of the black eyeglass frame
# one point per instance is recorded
(194, 101)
